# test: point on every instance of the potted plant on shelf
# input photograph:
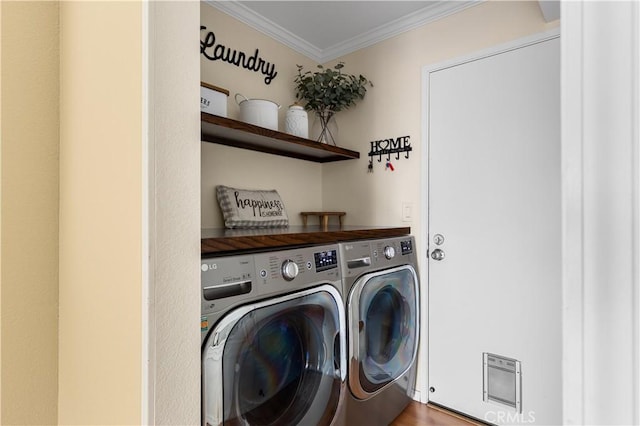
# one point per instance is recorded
(328, 91)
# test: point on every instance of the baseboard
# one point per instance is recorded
(457, 415)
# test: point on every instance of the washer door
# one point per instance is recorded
(278, 362)
(383, 325)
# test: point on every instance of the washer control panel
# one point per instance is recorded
(291, 269)
(326, 260)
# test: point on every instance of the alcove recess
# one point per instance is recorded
(217, 241)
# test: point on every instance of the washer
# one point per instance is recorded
(382, 307)
(273, 338)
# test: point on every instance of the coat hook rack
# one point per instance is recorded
(388, 147)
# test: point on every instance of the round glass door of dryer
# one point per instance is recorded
(383, 329)
(280, 362)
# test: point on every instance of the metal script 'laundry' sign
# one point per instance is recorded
(220, 52)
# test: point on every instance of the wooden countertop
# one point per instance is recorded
(220, 241)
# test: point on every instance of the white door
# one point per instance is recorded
(494, 197)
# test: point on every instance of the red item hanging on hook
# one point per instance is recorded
(389, 166)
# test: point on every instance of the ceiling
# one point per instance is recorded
(325, 30)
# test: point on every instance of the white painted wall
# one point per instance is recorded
(601, 148)
(173, 159)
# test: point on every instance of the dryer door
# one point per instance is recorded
(278, 362)
(383, 329)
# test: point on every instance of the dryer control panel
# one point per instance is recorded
(392, 251)
(406, 246)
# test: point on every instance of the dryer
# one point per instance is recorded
(273, 338)
(381, 291)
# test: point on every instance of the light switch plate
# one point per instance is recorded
(407, 212)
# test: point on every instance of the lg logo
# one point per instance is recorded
(206, 266)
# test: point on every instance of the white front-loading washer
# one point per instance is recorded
(273, 338)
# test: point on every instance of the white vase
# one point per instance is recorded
(296, 121)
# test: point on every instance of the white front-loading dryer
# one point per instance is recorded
(273, 339)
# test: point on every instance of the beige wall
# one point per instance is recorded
(100, 213)
(394, 108)
(298, 182)
(1, 72)
(29, 200)
(72, 177)
(391, 109)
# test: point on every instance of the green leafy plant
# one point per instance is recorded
(328, 91)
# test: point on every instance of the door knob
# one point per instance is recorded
(437, 254)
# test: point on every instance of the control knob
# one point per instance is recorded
(389, 252)
(289, 269)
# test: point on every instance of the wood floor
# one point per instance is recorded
(417, 414)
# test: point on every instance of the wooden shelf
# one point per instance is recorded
(217, 241)
(226, 131)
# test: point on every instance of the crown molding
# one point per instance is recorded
(258, 22)
(398, 26)
(416, 19)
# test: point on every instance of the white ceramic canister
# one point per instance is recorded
(296, 121)
(261, 112)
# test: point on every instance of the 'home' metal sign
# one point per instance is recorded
(391, 146)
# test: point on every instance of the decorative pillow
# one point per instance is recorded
(243, 208)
